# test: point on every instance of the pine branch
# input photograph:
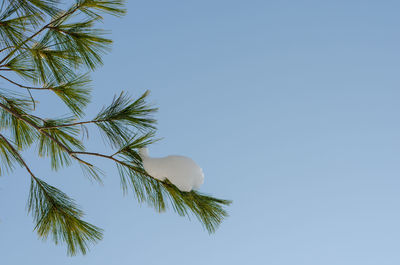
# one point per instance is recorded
(50, 55)
(113, 7)
(123, 114)
(56, 143)
(69, 124)
(85, 6)
(65, 135)
(81, 38)
(153, 191)
(74, 93)
(22, 133)
(22, 65)
(8, 156)
(57, 18)
(23, 118)
(15, 153)
(22, 86)
(56, 214)
(207, 209)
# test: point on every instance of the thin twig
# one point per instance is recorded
(18, 155)
(23, 86)
(71, 124)
(115, 160)
(9, 47)
(9, 69)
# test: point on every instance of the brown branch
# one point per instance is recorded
(74, 124)
(70, 124)
(18, 155)
(9, 47)
(94, 154)
(100, 155)
(23, 86)
(9, 69)
(124, 164)
(115, 160)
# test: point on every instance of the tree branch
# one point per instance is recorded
(67, 222)
(39, 31)
(24, 164)
(39, 129)
(23, 86)
(115, 160)
(121, 163)
(8, 69)
(9, 47)
(70, 124)
(18, 155)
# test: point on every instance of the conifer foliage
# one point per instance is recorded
(49, 48)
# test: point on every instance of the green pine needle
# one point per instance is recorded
(7, 156)
(75, 92)
(66, 135)
(124, 114)
(58, 216)
(208, 210)
(23, 134)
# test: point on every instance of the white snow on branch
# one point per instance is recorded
(181, 171)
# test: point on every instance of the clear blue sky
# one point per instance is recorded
(291, 108)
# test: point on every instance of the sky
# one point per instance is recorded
(290, 107)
